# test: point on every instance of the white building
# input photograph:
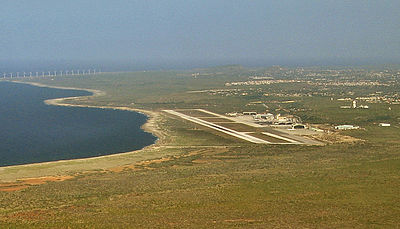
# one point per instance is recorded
(354, 104)
(235, 114)
(384, 124)
(268, 117)
(346, 127)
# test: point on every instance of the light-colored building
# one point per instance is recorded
(234, 114)
(384, 124)
(268, 117)
(346, 127)
(354, 104)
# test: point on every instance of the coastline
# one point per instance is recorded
(105, 162)
(151, 115)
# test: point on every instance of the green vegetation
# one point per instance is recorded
(207, 179)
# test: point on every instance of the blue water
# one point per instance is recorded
(31, 131)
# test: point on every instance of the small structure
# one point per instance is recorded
(354, 104)
(384, 124)
(234, 114)
(298, 126)
(346, 127)
(249, 113)
(268, 117)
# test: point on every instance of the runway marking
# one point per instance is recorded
(281, 137)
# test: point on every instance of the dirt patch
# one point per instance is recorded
(205, 161)
(336, 138)
(6, 185)
(241, 220)
(123, 168)
(195, 152)
(155, 161)
(27, 182)
(32, 215)
(43, 180)
(13, 188)
(143, 164)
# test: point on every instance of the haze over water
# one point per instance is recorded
(31, 131)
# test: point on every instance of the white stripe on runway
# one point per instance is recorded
(282, 138)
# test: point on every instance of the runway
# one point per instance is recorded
(229, 131)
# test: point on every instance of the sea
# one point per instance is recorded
(32, 131)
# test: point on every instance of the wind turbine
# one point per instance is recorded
(30, 74)
(55, 73)
(37, 73)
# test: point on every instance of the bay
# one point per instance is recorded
(31, 131)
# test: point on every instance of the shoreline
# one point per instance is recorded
(60, 102)
(149, 126)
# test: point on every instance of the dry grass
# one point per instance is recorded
(198, 178)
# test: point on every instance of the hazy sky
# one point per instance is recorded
(201, 30)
